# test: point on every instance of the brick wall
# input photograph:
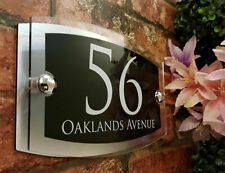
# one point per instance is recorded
(148, 24)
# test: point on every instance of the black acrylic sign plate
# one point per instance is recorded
(60, 125)
(67, 57)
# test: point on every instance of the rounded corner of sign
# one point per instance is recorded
(21, 148)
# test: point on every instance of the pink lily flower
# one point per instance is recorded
(185, 82)
(183, 68)
(192, 90)
(184, 56)
(204, 95)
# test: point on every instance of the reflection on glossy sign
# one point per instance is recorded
(104, 102)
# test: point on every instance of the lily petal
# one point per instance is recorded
(188, 124)
(174, 50)
(222, 101)
(204, 69)
(180, 68)
(197, 56)
(184, 95)
(195, 114)
(223, 43)
(193, 68)
(176, 109)
(212, 67)
(189, 49)
(176, 84)
(211, 112)
(201, 79)
(220, 54)
(218, 126)
(195, 99)
(216, 65)
(207, 93)
(216, 75)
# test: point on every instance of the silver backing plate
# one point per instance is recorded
(30, 128)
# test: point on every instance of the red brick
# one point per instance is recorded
(74, 170)
(165, 160)
(9, 158)
(74, 10)
(117, 2)
(150, 42)
(87, 165)
(97, 166)
(157, 11)
(26, 8)
(7, 58)
(170, 135)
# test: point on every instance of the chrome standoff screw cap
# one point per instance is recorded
(159, 97)
(47, 84)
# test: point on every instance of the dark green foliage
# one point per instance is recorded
(206, 20)
(209, 157)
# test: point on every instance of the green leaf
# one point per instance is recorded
(195, 157)
(213, 149)
(201, 10)
(219, 162)
(210, 169)
(221, 153)
(204, 19)
(217, 29)
(212, 17)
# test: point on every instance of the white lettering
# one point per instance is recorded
(70, 123)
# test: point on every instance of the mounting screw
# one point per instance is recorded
(45, 84)
(159, 97)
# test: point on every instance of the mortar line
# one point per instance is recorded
(7, 19)
(52, 8)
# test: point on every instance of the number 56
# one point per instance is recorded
(108, 84)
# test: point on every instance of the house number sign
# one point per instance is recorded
(81, 93)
